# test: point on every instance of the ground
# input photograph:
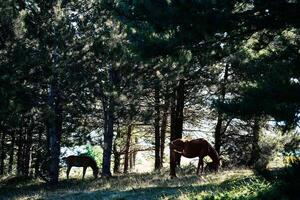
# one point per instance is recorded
(228, 184)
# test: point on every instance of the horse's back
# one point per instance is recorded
(79, 161)
(200, 141)
(196, 147)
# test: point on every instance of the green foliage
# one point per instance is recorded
(291, 146)
(95, 152)
(268, 147)
(269, 77)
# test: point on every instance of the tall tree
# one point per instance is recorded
(157, 161)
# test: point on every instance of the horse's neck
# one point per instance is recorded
(212, 153)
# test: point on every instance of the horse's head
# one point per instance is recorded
(215, 164)
(211, 166)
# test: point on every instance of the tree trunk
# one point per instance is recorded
(38, 152)
(117, 163)
(117, 155)
(134, 153)
(177, 106)
(127, 148)
(130, 161)
(163, 130)
(255, 139)
(218, 130)
(109, 107)
(26, 153)
(11, 153)
(2, 151)
(218, 135)
(27, 150)
(20, 144)
(108, 138)
(54, 132)
(157, 162)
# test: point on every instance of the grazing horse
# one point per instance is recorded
(209, 167)
(81, 161)
(191, 149)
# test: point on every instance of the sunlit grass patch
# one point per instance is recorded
(231, 184)
(237, 188)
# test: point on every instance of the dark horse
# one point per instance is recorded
(81, 161)
(191, 149)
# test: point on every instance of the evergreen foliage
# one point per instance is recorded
(130, 76)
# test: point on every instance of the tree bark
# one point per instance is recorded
(108, 138)
(131, 161)
(117, 155)
(218, 130)
(11, 153)
(20, 144)
(109, 120)
(127, 148)
(38, 152)
(255, 139)
(2, 151)
(157, 162)
(54, 132)
(177, 106)
(26, 152)
(163, 130)
(134, 153)
(218, 134)
(117, 163)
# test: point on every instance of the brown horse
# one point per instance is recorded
(81, 161)
(191, 149)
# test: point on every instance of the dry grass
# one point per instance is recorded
(130, 186)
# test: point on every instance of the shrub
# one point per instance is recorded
(95, 152)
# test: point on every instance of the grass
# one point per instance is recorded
(231, 184)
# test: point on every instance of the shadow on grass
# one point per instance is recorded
(167, 192)
(140, 193)
(130, 186)
(25, 186)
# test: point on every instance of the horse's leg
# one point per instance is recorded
(200, 163)
(173, 164)
(83, 174)
(198, 167)
(68, 171)
(178, 158)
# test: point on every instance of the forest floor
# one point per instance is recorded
(226, 184)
